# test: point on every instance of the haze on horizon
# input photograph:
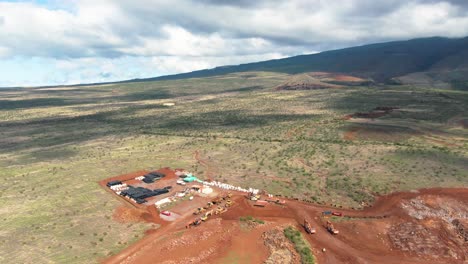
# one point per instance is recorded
(52, 42)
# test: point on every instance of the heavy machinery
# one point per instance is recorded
(228, 203)
(199, 211)
(253, 197)
(331, 228)
(206, 215)
(209, 204)
(218, 200)
(194, 223)
(308, 228)
(220, 210)
(227, 196)
(276, 201)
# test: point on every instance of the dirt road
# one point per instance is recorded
(376, 234)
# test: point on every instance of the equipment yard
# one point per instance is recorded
(231, 226)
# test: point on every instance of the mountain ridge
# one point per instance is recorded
(379, 61)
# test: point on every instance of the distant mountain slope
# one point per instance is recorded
(381, 62)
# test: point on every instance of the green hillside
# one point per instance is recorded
(380, 62)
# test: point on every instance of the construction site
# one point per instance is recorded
(212, 222)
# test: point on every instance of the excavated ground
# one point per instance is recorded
(424, 226)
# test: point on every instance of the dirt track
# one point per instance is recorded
(377, 234)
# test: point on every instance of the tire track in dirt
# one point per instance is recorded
(208, 168)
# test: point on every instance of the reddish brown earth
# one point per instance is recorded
(351, 134)
(404, 227)
(205, 164)
(321, 80)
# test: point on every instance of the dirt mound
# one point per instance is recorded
(427, 225)
(462, 228)
(417, 239)
(125, 214)
(281, 249)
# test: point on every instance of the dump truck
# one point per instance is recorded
(228, 203)
(331, 228)
(209, 205)
(308, 228)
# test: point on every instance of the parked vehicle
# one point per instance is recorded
(166, 213)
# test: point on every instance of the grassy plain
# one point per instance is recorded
(56, 143)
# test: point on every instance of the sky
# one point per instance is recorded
(58, 42)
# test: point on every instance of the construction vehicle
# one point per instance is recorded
(218, 200)
(227, 196)
(331, 228)
(253, 197)
(220, 210)
(209, 205)
(228, 203)
(194, 223)
(206, 215)
(308, 228)
(199, 211)
(276, 201)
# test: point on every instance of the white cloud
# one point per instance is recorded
(189, 35)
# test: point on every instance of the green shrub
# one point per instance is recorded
(300, 244)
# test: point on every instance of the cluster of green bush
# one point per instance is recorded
(251, 219)
(300, 244)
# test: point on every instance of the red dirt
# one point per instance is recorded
(351, 134)
(204, 163)
(378, 234)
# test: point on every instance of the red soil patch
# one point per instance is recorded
(125, 214)
(377, 234)
(204, 163)
(351, 134)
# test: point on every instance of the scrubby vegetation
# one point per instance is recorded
(250, 218)
(57, 143)
(300, 244)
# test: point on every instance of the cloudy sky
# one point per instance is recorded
(45, 42)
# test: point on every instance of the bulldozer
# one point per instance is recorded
(220, 210)
(199, 211)
(308, 228)
(331, 228)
